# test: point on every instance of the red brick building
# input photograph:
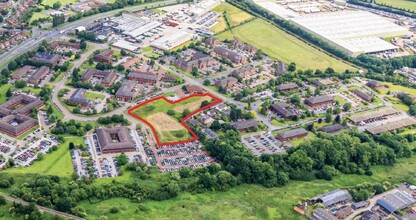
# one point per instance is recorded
(143, 78)
(292, 134)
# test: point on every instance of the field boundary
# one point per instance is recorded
(195, 137)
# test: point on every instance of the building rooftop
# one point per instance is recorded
(106, 76)
(373, 114)
(322, 214)
(331, 128)
(127, 89)
(396, 201)
(78, 97)
(287, 86)
(281, 108)
(331, 198)
(242, 125)
(293, 133)
(143, 75)
(319, 99)
(114, 138)
(39, 74)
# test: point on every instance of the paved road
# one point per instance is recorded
(32, 42)
(51, 211)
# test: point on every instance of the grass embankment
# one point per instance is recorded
(282, 46)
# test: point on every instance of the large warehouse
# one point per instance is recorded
(352, 31)
(171, 41)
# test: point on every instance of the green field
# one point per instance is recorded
(234, 14)
(283, 46)
(63, 2)
(94, 95)
(397, 88)
(247, 201)
(402, 4)
(167, 126)
(4, 88)
(56, 163)
(36, 16)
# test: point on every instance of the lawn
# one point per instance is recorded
(398, 103)
(247, 201)
(403, 4)
(168, 127)
(63, 2)
(36, 16)
(94, 96)
(234, 14)
(4, 88)
(397, 88)
(283, 46)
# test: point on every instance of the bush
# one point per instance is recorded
(114, 210)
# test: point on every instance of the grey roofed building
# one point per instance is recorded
(396, 201)
(281, 68)
(358, 205)
(48, 58)
(115, 140)
(322, 214)
(374, 83)
(38, 75)
(210, 133)
(362, 95)
(332, 198)
(369, 215)
(318, 100)
(78, 97)
(282, 110)
(244, 125)
(331, 128)
(287, 86)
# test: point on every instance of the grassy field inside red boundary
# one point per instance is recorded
(182, 120)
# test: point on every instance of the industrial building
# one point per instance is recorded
(352, 31)
(363, 117)
(396, 201)
(173, 40)
(392, 126)
(332, 198)
(319, 100)
(292, 134)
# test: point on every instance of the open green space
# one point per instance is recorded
(398, 103)
(402, 4)
(36, 16)
(63, 2)
(247, 201)
(283, 46)
(4, 88)
(397, 88)
(165, 117)
(57, 163)
(94, 95)
(234, 15)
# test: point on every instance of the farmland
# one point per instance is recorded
(234, 14)
(165, 117)
(283, 46)
(402, 4)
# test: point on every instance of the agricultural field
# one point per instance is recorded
(234, 14)
(402, 4)
(282, 46)
(164, 116)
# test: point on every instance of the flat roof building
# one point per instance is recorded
(363, 117)
(115, 140)
(292, 134)
(174, 40)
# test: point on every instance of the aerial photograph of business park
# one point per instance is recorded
(207, 109)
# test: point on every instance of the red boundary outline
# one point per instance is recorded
(195, 137)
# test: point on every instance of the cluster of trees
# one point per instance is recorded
(118, 119)
(58, 19)
(71, 127)
(109, 7)
(409, 101)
